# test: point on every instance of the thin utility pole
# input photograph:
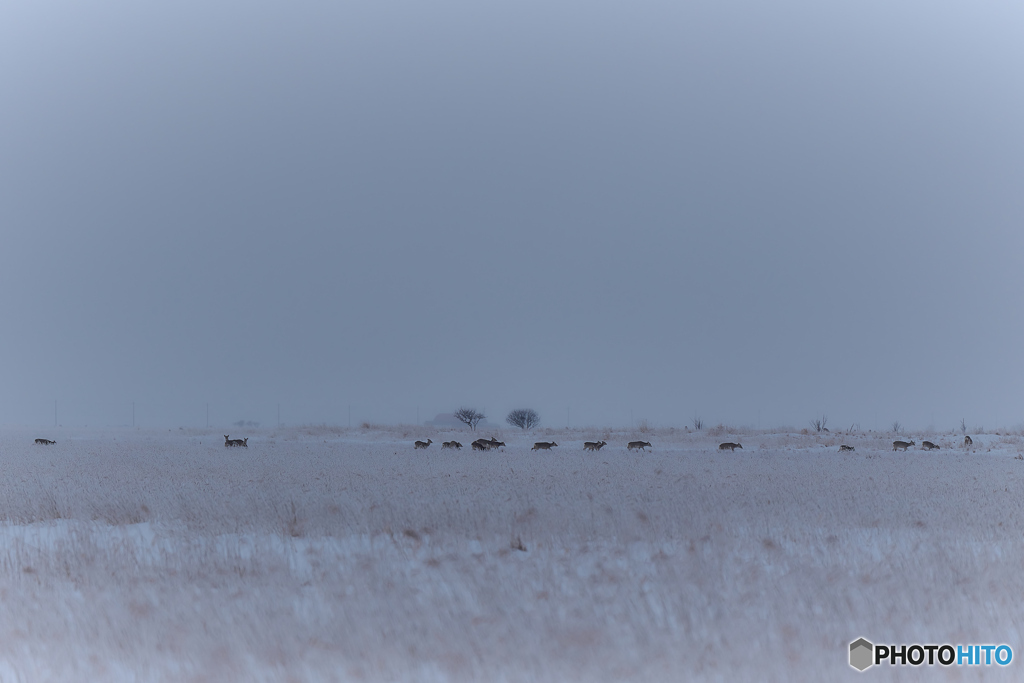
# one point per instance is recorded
(350, 417)
(278, 415)
(207, 415)
(417, 414)
(567, 417)
(54, 412)
(133, 414)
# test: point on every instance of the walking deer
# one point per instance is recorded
(594, 445)
(729, 446)
(45, 442)
(844, 447)
(929, 446)
(902, 445)
(423, 444)
(543, 446)
(229, 442)
(642, 445)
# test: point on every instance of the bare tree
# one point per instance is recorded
(524, 418)
(698, 423)
(963, 426)
(469, 416)
(897, 427)
(819, 423)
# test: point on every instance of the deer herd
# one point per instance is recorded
(492, 443)
(925, 445)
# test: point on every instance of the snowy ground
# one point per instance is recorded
(344, 555)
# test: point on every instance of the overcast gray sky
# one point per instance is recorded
(747, 211)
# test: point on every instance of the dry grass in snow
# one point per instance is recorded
(325, 554)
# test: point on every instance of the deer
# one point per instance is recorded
(228, 442)
(451, 444)
(45, 442)
(729, 446)
(844, 447)
(642, 445)
(487, 444)
(902, 445)
(929, 446)
(423, 444)
(968, 442)
(593, 445)
(543, 446)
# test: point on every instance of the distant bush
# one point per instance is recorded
(524, 418)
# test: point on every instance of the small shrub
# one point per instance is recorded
(469, 417)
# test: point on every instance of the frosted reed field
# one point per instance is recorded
(324, 554)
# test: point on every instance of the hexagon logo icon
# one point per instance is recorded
(861, 654)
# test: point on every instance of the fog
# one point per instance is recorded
(755, 214)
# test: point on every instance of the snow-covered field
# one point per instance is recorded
(323, 554)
